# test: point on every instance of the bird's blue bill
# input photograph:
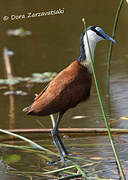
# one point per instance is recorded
(105, 35)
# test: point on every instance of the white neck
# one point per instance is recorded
(92, 48)
(93, 39)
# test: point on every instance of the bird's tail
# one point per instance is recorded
(26, 109)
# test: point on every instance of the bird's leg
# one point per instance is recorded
(57, 140)
(55, 137)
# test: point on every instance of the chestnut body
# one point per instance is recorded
(66, 90)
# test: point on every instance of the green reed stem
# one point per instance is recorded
(111, 45)
(102, 108)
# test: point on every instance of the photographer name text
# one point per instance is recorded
(33, 15)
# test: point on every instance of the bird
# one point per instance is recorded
(70, 86)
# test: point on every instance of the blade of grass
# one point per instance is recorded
(60, 170)
(111, 45)
(33, 144)
(102, 109)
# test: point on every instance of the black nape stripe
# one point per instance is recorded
(97, 32)
(82, 50)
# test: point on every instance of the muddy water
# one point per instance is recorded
(53, 45)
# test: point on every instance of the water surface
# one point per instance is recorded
(53, 45)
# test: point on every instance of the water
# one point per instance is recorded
(53, 45)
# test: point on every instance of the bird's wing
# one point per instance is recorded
(38, 96)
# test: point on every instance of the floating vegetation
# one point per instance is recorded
(42, 77)
(11, 81)
(36, 78)
(18, 32)
(19, 92)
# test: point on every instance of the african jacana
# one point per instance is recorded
(70, 87)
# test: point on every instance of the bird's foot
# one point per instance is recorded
(62, 162)
(51, 163)
(68, 154)
(65, 162)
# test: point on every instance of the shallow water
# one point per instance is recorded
(53, 45)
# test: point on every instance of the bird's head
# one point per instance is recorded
(95, 34)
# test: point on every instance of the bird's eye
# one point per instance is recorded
(99, 32)
(93, 27)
